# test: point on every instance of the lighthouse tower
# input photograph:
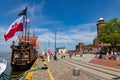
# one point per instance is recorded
(96, 42)
(99, 23)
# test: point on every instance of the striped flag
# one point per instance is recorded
(16, 26)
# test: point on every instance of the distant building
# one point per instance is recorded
(83, 49)
(97, 44)
(79, 48)
(61, 50)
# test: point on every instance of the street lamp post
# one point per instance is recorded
(55, 57)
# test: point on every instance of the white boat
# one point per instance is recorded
(3, 65)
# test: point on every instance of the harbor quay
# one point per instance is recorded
(56, 70)
(61, 69)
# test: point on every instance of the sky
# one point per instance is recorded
(73, 21)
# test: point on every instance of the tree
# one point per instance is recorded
(110, 32)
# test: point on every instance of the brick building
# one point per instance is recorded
(100, 45)
(97, 44)
(79, 48)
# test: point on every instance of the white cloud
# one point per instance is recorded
(41, 29)
(16, 9)
(45, 37)
(72, 36)
(35, 12)
(2, 29)
(83, 33)
(85, 37)
(37, 8)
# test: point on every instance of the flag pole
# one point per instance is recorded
(25, 26)
(24, 13)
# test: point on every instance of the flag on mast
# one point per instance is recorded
(27, 20)
(23, 12)
(16, 26)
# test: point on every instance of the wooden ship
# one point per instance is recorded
(25, 53)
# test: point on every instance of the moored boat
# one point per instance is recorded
(3, 65)
(24, 51)
(23, 55)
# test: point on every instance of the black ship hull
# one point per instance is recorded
(23, 56)
(23, 67)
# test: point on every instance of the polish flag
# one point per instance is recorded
(16, 26)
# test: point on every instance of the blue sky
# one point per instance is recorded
(74, 20)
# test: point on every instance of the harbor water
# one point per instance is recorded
(12, 75)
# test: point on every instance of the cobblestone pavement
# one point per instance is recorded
(60, 71)
(40, 74)
(85, 57)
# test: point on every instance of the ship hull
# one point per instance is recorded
(23, 57)
(23, 65)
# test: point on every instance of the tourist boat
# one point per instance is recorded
(3, 65)
(24, 53)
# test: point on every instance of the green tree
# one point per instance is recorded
(110, 32)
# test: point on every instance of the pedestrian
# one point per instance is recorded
(100, 55)
(115, 55)
(48, 55)
(70, 54)
(111, 55)
(107, 54)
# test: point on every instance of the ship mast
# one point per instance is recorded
(24, 14)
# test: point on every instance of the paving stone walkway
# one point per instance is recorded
(59, 71)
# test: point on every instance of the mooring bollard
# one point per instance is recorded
(76, 71)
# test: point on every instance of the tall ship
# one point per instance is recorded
(24, 53)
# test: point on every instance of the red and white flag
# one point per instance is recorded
(16, 26)
(27, 20)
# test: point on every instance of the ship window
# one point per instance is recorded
(16, 55)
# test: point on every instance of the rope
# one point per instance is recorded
(22, 75)
(34, 69)
(16, 77)
(4, 76)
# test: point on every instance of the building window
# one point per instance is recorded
(99, 42)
